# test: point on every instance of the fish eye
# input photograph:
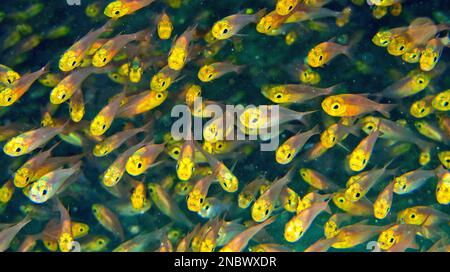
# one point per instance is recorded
(139, 165)
(159, 95)
(401, 48)
(104, 126)
(225, 31)
(288, 155)
(341, 199)
(278, 95)
(210, 76)
(104, 59)
(357, 195)
(201, 200)
(412, 216)
(176, 152)
(27, 178)
(335, 106)
(320, 58)
(117, 12)
(207, 207)
(81, 230)
(100, 242)
(150, 189)
(364, 161)
(74, 63)
(18, 149)
(44, 192)
(391, 240)
(269, 27)
(63, 96)
(9, 99)
(404, 187)
(163, 84)
(266, 212)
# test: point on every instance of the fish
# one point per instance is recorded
(7, 234)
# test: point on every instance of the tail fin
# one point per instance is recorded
(386, 108)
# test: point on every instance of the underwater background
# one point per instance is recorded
(46, 29)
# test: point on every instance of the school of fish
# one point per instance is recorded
(90, 164)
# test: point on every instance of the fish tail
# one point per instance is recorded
(386, 108)
(257, 16)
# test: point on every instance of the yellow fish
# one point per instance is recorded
(231, 25)
(120, 8)
(27, 142)
(349, 105)
(216, 70)
(383, 203)
(360, 156)
(179, 53)
(13, 92)
(108, 220)
(287, 151)
(164, 26)
(103, 120)
(72, 58)
(265, 204)
(294, 93)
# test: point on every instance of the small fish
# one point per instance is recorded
(108, 220)
(76, 106)
(167, 205)
(95, 243)
(398, 238)
(265, 204)
(240, 241)
(300, 223)
(231, 25)
(111, 48)
(143, 158)
(283, 7)
(336, 133)
(164, 26)
(7, 75)
(289, 199)
(186, 161)
(393, 131)
(413, 83)
(360, 156)
(349, 105)
(317, 180)
(412, 180)
(324, 52)
(363, 207)
(265, 117)
(197, 195)
(66, 88)
(7, 234)
(164, 79)
(216, 70)
(72, 58)
(65, 235)
(432, 53)
(430, 131)
(115, 171)
(120, 8)
(287, 151)
(28, 141)
(383, 203)
(294, 93)
(181, 48)
(13, 92)
(422, 108)
(335, 223)
(423, 215)
(362, 185)
(443, 187)
(249, 192)
(353, 235)
(113, 142)
(26, 173)
(142, 102)
(441, 101)
(103, 120)
(52, 183)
